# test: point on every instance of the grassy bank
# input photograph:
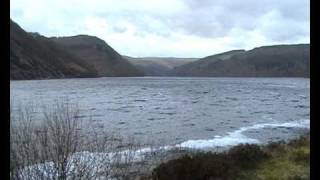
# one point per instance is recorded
(281, 160)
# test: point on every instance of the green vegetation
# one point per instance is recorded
(273, 161)
(288, 161)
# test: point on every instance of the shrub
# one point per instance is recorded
(247, 155)
(278, 146)
(202, 166)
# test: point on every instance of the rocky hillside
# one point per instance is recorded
(158, 66)
(266, 61)
(98, 53)
(33, 56)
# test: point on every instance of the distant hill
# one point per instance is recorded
(98, 53)
(158, 66)
(33, 56)
(266, 61)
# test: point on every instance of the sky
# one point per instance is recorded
(170, 28)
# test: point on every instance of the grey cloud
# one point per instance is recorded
(212, 19)
(286, 32)
(119, 29)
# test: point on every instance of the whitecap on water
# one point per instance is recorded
(237, 137)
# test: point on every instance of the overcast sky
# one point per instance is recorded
(170, 28)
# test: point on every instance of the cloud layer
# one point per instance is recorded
(181, 28)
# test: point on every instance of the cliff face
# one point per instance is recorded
(267, 61)
(99, 54)
(33, 56)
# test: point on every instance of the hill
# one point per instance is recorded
(98, 53)
(33, 56)
(266, 61)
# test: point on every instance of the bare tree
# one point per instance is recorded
(57, 147)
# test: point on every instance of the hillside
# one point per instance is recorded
(266, 61)
(33, 56)
(95, 51)
(158, 66)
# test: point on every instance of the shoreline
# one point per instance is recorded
(275, 150)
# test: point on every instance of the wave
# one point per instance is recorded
(237, 137)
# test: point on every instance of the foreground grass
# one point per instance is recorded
(288, 161)
(244, 162)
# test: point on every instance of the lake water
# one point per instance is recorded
(191, 112)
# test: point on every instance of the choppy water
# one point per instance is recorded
(191, 112)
